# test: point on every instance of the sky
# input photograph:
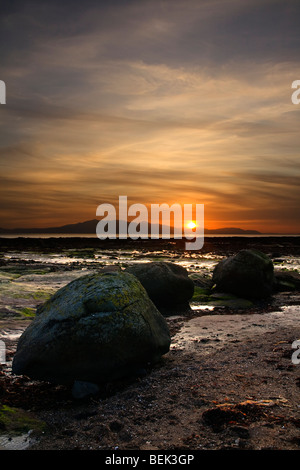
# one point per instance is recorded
(173, 101)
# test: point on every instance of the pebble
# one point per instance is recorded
(83, 389)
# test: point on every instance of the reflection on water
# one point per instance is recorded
(29, 278)
(205, 334)
(198, 306)
(115, 257)
(21, 442)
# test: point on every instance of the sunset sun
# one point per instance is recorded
(191, 224)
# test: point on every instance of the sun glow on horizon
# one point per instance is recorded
(191, 224)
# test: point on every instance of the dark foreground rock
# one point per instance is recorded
(97, 328)
(167, 284)
(248, 274)
(287, 281)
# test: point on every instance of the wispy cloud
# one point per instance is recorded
(161, 101)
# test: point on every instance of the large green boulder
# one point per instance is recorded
(167, 284)
(248, 274)
(98, 328)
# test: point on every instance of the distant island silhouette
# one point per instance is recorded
(89, 227)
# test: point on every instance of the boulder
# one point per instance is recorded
(167, 284)
(248, 274)
(287, 281)
(98, 328)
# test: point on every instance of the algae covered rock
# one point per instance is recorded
(167, 284)
(98, 328)
(248, 274)
(15, 421)
(287, 281)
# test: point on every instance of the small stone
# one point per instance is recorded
(116, 426)
(82, 389)
(241, 431)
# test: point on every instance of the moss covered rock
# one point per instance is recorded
(287, 281)
(98, 328)
(248, 274)
(167, 284)
(14, 421)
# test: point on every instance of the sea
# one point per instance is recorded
(93, 235)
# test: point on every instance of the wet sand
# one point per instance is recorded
(228, 381)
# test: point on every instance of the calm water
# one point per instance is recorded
(192, 261)
(93, 235)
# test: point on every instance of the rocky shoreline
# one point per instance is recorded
(279, 245)
(227, 382)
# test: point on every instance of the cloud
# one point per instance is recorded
(172, 101)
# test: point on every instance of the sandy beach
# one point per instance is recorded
(228, 381)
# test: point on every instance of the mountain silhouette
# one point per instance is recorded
(89, 227)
